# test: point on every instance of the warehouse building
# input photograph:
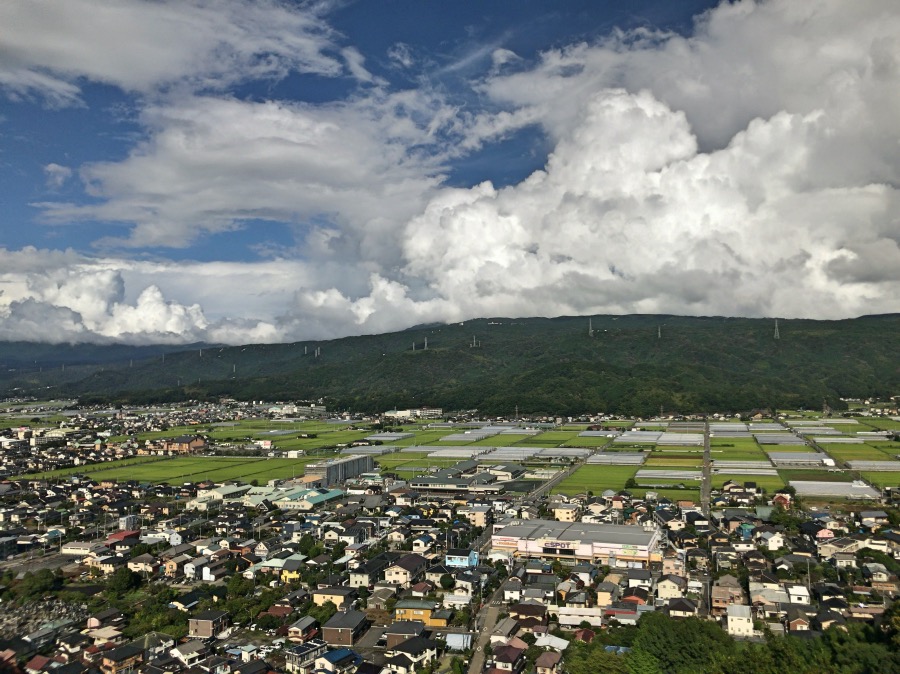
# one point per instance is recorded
(336, 471)
(610, 544)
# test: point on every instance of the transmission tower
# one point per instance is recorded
(777, 336)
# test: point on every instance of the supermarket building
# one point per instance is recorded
(609, 544)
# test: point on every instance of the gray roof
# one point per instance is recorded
(578, 531)
(346, 619)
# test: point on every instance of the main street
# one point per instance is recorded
(486, 618)
(706, 484)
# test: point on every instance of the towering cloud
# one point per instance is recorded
(750, 168)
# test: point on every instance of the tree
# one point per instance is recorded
(123, 581)
(447, 581)
(306, 544)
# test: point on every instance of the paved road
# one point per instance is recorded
(35, 562)
(706, 484)
(484, 625)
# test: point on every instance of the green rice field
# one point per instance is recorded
(596, 479)
(887, 478)
(857, 452)
(195, 469)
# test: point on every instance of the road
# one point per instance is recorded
(35, 562)
(484, 625)
(706, 484)
(486, 618)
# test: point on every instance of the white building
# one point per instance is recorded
(740, 621)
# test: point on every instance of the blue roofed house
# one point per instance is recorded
(338, 661)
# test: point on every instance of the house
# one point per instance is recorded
(207, 624)
(726, 591)
(607, 593)
(682, 607)
(739, 621)
(184, 444)
(671, 587)
(797, 620)
(338, 661)
(190, 653)
(344, 628)
(380, 597)
(371, 571)
(509, 658)
(301, 659)
(122, 660)
(504, 630)
(145, 564)
(529, 615)
(461, 558)
(420, 609)
(548, 662)
(412, 654)
(567, 512)
(406, 570)
(401, 631)
(342, 597)
(303, 630)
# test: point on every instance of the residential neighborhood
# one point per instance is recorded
(475, 565)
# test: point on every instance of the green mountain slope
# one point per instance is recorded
(632, 364)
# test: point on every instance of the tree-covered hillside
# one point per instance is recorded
(631, 365)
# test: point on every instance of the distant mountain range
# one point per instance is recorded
(635, 364)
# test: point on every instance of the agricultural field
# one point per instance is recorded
(879, 424)
(547, 439)
(98, 469)
(678, 461)
(415, 463)
(422, 437)
(815, 474)
(671, 494)
(856, 452)
(503, 440)
(888, 478)
(194, 469)
(794, 449)
(736, 449)
(590, 442)
(596, 479)
(771, 483)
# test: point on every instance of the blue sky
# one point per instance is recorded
(236, 171)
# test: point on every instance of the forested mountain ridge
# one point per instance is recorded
(631, 365)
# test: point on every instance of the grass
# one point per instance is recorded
(596, 479)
